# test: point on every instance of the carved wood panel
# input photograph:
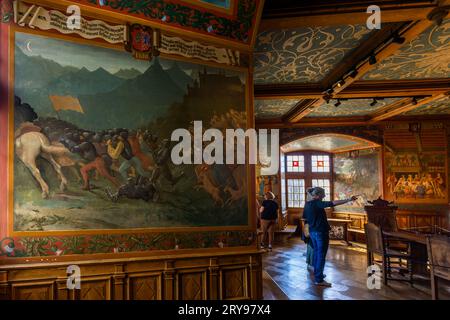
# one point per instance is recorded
(145, 287)
(235, 275)
(30, 291)
(191, 285)
(98, 289)
(235, 283)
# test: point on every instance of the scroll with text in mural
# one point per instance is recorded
(92, 130)
(416, 177)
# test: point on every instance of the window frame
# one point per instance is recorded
(307, 175)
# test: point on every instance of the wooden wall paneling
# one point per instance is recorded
(230, 276)
(235, 282)
(118, 282)
(169, 281)
(256, 277)
(39, 290)
(5, 288)
(213, 279)
(96, 288)
(191, 284)
(144, 286)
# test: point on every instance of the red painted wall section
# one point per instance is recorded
(4, 103)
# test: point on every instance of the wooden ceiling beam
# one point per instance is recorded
(395, 88)
(311, 122)
(359, 89)
(401, 107)
(342, 13)
(302, 107)
(288, 91)
(411, 31)
(342, 121)
(364, 50)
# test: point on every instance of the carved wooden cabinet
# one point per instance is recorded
(226, 275)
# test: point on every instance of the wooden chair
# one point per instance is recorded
(383, 214)
(439, 258)
(376, 244)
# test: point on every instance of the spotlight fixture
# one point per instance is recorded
(397, 39)
(353, 73)
(329, 91)
(374, 102)
(340, 83)
(338, 103)
(372, 59)
(414, 101)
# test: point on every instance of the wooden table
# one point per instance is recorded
(418, 245)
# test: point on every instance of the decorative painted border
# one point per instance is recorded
(17, 247)
(238, 27)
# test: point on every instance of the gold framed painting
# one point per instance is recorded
(77, 108)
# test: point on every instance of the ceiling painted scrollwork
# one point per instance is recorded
(437, 107)
(427, 56)
(304, 55)
(274, 108)
(354, 107)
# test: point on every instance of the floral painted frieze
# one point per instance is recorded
(238, 27)
(120, 243)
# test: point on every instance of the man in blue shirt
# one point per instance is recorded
(316, 217)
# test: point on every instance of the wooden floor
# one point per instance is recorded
(345, 269)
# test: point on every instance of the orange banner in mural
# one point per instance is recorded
(66, 103)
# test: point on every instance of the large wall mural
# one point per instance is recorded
(304, 55)
(437, 107)
(237, 25)
(415, 177)
(348, 108)
(427, 56)
(357, 173)
(92, 140)
(273, 108)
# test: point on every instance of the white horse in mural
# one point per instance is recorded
(31, 145)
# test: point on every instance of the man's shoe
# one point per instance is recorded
(323, 283)
(310, 267)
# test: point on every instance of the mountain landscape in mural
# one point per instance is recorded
(92, 144)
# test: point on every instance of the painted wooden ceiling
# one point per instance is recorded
(437, 107)
(304, 55)
(427, 56)
(294, 59)
(348, 108)
(273, 108)
(329, 143)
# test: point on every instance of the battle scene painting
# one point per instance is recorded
(416, 177)
(92, 129)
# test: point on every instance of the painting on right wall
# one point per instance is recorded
(414, 177)
(357, 173)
